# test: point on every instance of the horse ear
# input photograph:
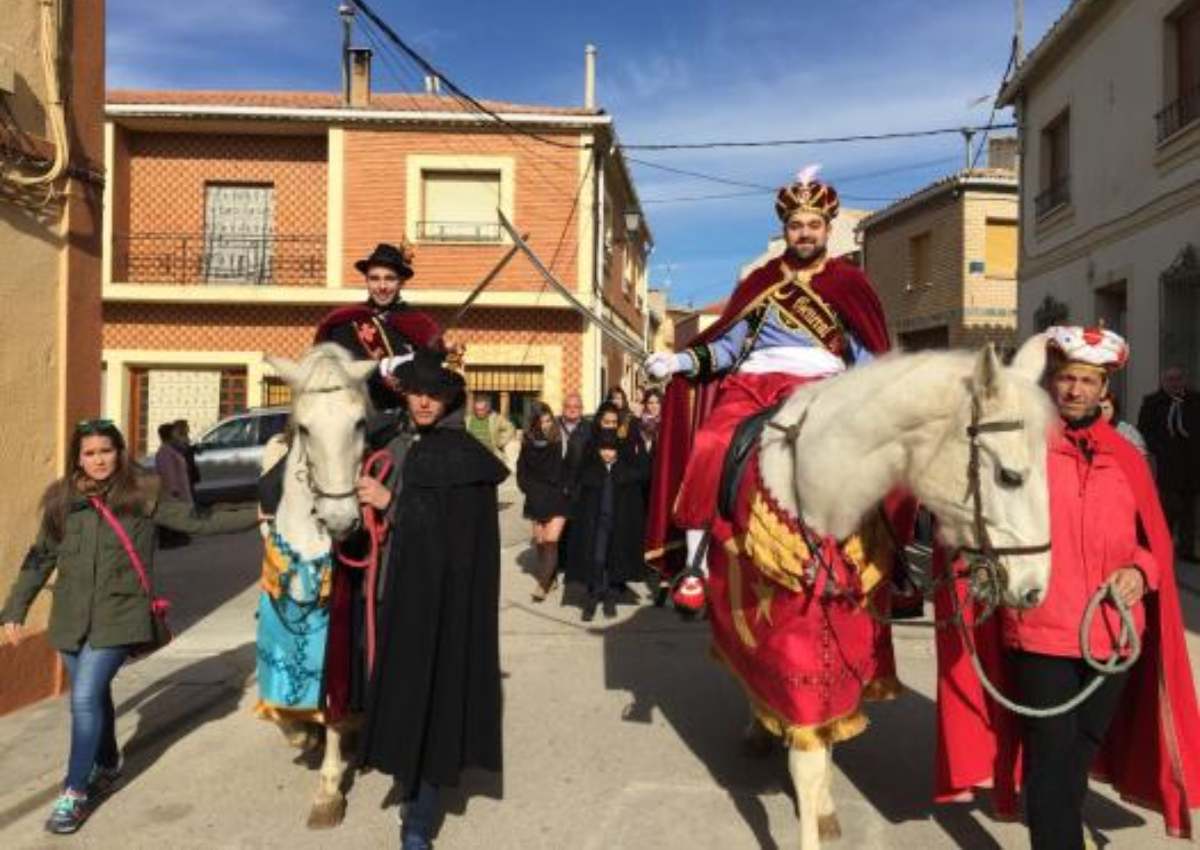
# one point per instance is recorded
(1030, 359)
(360, 370)
(289, 370)
(986, 378)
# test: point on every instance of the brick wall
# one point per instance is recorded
(547, 179)
(888, 265)
(990, 299)
(288, 330)
(166, 174)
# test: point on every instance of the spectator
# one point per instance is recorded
(627, 426)
(542, 477)
(575, 429)
(651, 414)
(171, 465)
(1110, 412)
(488, 426)
(608, 517)
(183, 441)
(1170, 422)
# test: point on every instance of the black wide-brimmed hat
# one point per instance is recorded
(384, 254)
(425, 374)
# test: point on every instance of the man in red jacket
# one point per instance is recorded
(1139, 729)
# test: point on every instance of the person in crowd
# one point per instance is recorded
(1170, 422)
(98, 524)
(542, 477)
(1110, 412)
(492, 429)
(384, 328)
(575, 428)
(1140, 729)
(434, 705)
(608, 517)
(182, 435)
(628, 427)
(171, 465)
(650, 418)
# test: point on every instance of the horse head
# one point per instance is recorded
(985, 479)
(329, 411)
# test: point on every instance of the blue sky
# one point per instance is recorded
(668, 71)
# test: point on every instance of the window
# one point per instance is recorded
(1055, 155)
(239, 233)
(920, 260)
(459, 206)
(275, 393)
(1001, 248)
(1182, 71)
(270, 425)
(231, 435)
(233, 392)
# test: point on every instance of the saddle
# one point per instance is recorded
(737, 457)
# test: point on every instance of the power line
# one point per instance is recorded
(1012, 59)
(428, 68)
(700, 175)
(825, 140)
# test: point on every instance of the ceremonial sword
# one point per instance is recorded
(608, 328)
(479, 287)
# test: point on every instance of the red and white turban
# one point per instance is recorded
(1097, 347)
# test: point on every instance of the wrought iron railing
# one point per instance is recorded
(459, 231)
(1178, 114)
(218, 258)
(1056, 195)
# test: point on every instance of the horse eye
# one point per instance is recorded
(302, 430)
(1009, 479)
(360, 425)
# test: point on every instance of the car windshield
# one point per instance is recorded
(270, 425)
(229, 435)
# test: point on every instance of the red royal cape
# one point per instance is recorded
(1151, 754)
(686, 403)
(417, 326)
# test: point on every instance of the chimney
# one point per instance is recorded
(433, 84)
(1002, 152)
(360, 76)
(589, 77)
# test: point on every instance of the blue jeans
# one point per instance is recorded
(93, 718)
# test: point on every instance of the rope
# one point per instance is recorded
(378, 465)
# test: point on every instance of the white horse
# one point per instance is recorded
(319, 507)
(921, 422)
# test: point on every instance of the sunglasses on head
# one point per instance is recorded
(92, 426)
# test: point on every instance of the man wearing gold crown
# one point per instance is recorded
(798, 317)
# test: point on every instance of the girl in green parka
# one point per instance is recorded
(100, 611)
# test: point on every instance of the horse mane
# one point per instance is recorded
(324, 370)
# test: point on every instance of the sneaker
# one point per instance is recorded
(68, 814)
(103, 780)
(610, 605)
(689, 595)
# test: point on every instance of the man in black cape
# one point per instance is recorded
(434, 706)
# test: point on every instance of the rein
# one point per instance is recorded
(377, 465)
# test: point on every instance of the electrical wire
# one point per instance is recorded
(824, 140)
(1012, 59)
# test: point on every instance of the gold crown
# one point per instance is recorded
(810, 196)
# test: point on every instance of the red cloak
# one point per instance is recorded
(415, 325)
(1151, 754)
(841, 284)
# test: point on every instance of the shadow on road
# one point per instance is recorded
(205, 574)
(664, 664)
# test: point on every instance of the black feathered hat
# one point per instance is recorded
(384, 254)
(425, 374)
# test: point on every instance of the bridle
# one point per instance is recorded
(985, 557)
(307, 476)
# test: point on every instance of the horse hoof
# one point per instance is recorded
(829, 828)
(327, 814)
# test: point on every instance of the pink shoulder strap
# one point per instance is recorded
(123, 536)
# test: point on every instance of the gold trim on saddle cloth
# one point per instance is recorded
(276, 563)
(816, 736)
(773, 542)
(275, 714)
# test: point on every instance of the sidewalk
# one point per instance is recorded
(619, 734)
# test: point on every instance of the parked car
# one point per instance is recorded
(229, 454)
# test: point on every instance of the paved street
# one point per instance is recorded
(618, 735)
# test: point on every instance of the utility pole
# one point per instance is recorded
(968, 136)
(346, 12)
(1019, 33)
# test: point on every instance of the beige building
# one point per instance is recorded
(51, 180)
(1109, 111)
(943, 261)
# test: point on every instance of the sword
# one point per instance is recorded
(608, 328)
(479, 287)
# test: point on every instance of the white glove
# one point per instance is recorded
(664, 364)
(388, 365)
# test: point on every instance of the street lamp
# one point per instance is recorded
(633, 222)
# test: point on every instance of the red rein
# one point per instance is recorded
(377, 465)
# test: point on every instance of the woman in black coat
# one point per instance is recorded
(543, 477)
(607, 522)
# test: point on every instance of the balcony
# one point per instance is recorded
(220, 259)
(1178, 114)
(459, 231)
(1057, 194)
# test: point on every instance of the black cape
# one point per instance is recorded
(624, 549)
(542, 477)
(435, 706)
